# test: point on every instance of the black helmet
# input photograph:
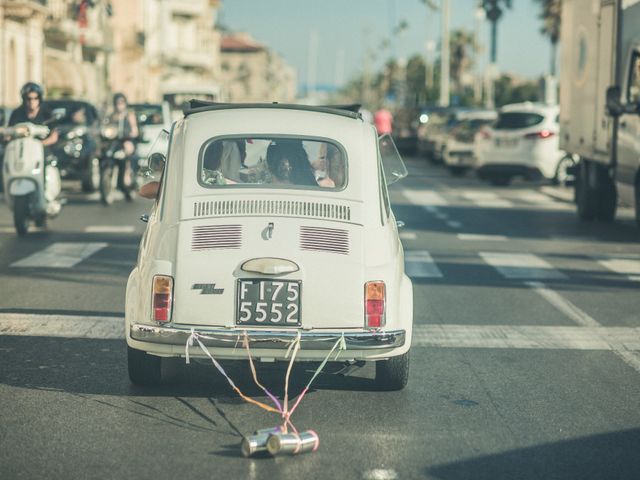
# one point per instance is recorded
(119, 96)
(31, 87)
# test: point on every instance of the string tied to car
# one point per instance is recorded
(285, 437)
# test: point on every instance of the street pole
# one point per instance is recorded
(444, 56)
(312, 63)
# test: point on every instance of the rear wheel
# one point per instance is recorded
(21, 214)
(500, 180)
(91, 176)
(585, 193)
(638, 202)
(41, 220)
(144, 369)
(393, 374)
(607, 196)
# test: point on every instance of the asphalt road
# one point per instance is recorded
(525, 363)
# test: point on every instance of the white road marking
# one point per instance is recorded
(454, 224)
(68, 326)
(61, 255)
(556, 193)
(408, 235)
(110, 229)
(564, 305)
(419, 264)
(628, 265)
(487, 199)
(431, 208)
(421, 197)
(521, 266)
(481, 238)
(527, 337)
(380, 474)
(441, 216)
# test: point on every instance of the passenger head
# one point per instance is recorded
(31, 94)
(119, 102)
(335, 166)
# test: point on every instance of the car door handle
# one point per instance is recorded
(400, 224)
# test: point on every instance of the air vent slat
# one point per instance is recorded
(216, 236)
(272, 207)
(331, 240)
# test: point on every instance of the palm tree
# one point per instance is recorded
(494, 9)
(550, 15)
(462, 43)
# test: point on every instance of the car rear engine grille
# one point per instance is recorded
(331, 240)
(216, 237)
(289, 208)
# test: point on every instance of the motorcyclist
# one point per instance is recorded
(125, 120)
(33, 110)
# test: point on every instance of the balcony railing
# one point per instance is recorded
(24, 9)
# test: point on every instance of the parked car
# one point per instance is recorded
(432, 122)
(273, 220)
(458, 148)
(523, 142)
(76, 152)
(152, 119)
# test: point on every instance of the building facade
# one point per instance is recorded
(21, 47)
(251, 72)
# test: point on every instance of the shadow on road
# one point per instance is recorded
(611, 455)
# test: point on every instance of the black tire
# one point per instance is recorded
(607, 196)
(144, 369)
(126, 179)
(457, 171)
(585, 193)
(21, 214)
(91, 176)
(392, 374)
(106, 185)
(500, 180)
(41, 220)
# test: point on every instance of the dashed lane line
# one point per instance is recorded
(420, 264)
(421, 197)
(481, 238)
(564, 305)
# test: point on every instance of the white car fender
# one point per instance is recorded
(22, 186)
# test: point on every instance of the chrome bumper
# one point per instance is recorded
(309, 340)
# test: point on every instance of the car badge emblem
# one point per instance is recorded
(207, 289)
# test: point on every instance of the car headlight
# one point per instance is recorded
(109, 132)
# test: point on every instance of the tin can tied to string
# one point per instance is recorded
(293, 444)
(257, 442)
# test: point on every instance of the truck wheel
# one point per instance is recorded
(500, 180)
(21, 214)
(607, 196)
(91, 176)
(585, 195)
(392, 374)
(144, 369)
(41, 220)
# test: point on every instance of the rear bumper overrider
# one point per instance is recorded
(268, 339)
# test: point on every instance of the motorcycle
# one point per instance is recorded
(116, 171)
(31, 182)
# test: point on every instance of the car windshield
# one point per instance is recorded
(514, 120)
(276, 162)
(73, 113)
(148, 114)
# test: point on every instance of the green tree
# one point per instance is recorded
(494, 10)
(461, 46)
(551, 21)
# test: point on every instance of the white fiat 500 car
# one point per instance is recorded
(272, 223)
(524, 141)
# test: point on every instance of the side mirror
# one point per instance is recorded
(614, 106)
(157, 161)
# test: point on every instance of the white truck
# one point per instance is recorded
(600, 103)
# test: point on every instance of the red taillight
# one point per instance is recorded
(539, 135)
(162, 298)
(374, 300)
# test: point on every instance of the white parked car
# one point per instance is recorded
(458, 149)
(524, 141)
(152, 119)
(272, 220)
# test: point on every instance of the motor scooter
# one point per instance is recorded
(31, 183)
(115, 166)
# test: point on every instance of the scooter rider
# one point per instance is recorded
(127, 124)
(32, 110)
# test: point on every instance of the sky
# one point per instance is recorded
(344, 30)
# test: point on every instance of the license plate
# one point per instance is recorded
(506, 142)
(268, 302)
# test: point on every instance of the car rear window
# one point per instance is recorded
(273, 162)
(514, 120)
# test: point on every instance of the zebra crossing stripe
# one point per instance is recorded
(521, 266)
(110, 229)
(66, 326)
(60, 255)
(420, 264)
(628, 265)
(481, 238)
(420, 197)
(487, 199)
